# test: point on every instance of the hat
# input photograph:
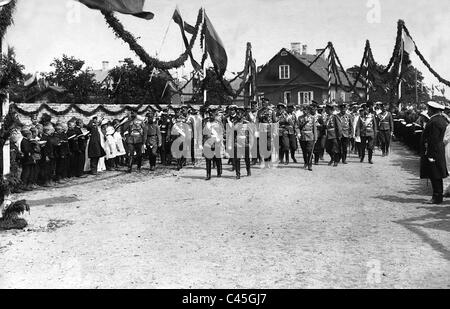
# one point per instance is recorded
(436, 105)
(332, 104)
(342, 104)
(25, 131)
(281, 104)
(379, 103)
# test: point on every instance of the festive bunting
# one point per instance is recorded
(179, 20)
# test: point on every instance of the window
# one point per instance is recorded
(287, 97)
(305, 97)
(285, 72)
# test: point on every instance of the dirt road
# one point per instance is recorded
(354, 226)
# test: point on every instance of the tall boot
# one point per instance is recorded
(208, 169)
(248, 167)
(316, 159)
(237, 166)
(370, 156)
(337, 157)
(219, 167)
(293, 156)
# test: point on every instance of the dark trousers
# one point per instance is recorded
(367, 142)
(164, 149)
(307, 150)
(333, 147)
(438, 188)
(237, 161)
(344, 148)
(152, 153)
(284, 148)
(45, 171)
(385, 141)
(293, 145)
(61, 168)
(76, 164)
(132, 148)
(218, 163)
(94, 165)
(27, 174)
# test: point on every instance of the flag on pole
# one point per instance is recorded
(130, 7)
(408, 43)
(4, 2)
(215, 47)
(179, 20)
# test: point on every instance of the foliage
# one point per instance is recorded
(218, 90)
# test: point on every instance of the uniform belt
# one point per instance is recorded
(307, 131)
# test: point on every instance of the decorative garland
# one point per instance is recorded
(98, 109)
(422, 58)
(122, 33)
(6, 17)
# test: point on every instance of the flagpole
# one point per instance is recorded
(205, 92)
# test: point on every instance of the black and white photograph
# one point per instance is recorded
(224, 145)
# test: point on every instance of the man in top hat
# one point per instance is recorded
(433, 162)
(307, 124)
(347, 130)
(366, 129)
(152, 139)
(134, 131)
(333, 134)
(212, 142)
(385, 129)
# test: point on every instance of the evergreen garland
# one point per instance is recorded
(151, 62)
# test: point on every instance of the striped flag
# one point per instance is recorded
(215, 47)
(130, 7)
(4, 2)
(179, 20)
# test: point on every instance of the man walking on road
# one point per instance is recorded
(386, 128)
(366, 129)
(347, 131)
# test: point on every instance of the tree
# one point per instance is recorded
(11, 73)
(135, 84)
(218, 91)
(385, 88)
(80, 84)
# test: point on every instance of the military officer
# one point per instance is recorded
(345, 120)
(366, 129)
(333, 134)
(152, 139)
(134, 131)
(165, 125)
(385, 129)
(282, 117)
(213, 142)
(308, 135)
(292, 120)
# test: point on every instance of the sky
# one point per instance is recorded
(46, 29)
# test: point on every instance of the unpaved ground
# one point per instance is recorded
(355, 226)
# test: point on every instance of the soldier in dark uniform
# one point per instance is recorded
(308, 135)
(152, 139)
(212, 142)
(433, 164)
(165, 125)
(266, 118)
(385, 129)
(366, 129)
(282, 117)
(319, 148)
(334, 134)
(134, 129)
(291, 127)
(347, 131)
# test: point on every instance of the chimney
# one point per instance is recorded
(105, 65)
(319, 51)
(296, 48)
(304, 49)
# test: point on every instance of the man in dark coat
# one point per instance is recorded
(334, 135)
(95, 149)
(433, 164)
(27, 160)
(152, 139)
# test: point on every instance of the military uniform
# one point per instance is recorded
(165, 125)
(366, 129)
(265, 119)
(152, 140)
(283, 130)
(347, 133)
(212, 145)
(334, 134)
(291, 127)
(319, 147)
(241, 142)
(135, 140)
(178, 130)
(308, 137)
(386, 128)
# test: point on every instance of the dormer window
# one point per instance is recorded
(285, 72)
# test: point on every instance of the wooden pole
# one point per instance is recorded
(329, 72)
(205, 92)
